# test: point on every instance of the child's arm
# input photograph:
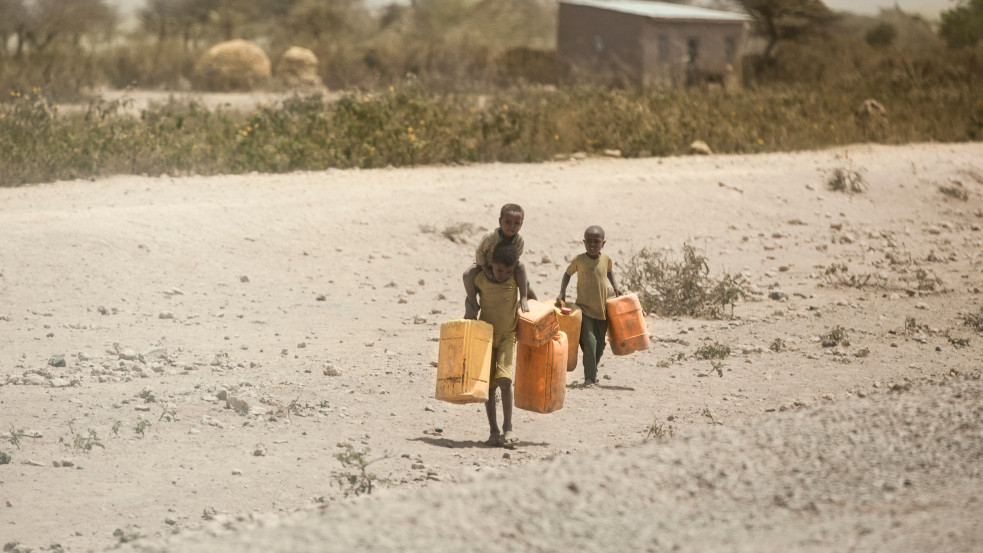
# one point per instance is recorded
(563, 288)
(614, 283)
(520, 281)
(471, 300)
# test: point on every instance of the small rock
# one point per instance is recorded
(321, 297)
(778, 295)
(236, 472)
(259, 452)
(417, 466)
(244, 278)
(165, 315)
(302, 345)
(331, 371)
(57, 361)
(699, 147)
(428, 408)
(612, 153)
(921, 305)
(506, 455)
(419, 320)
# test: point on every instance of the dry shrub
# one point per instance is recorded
(680, 288)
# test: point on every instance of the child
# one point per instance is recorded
(509, 221)
(591, 268)
(499, 307)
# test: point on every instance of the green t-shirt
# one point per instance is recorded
(499, 303)
(592, 283)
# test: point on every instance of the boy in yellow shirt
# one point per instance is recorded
(593, 270)
(499, 307)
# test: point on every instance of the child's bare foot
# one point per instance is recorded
(588, 383)
(495, 440)
(509, 438)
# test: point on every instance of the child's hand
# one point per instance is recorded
(488, 272)
(618, 292)
(524, 305)
(470, 309)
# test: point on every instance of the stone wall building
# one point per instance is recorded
(652, 44)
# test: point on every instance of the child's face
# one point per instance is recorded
(511, 222)
(501, 271)
(593, 242)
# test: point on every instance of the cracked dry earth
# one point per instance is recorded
(182, 358)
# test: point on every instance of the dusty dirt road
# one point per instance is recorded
(183, 357)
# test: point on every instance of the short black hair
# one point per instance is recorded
(510, 208)
(596, 229)
(506, 254)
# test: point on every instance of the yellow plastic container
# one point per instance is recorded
(570, 318)
(540, 375)
(537, 326)
(626, 325)
(464, 361)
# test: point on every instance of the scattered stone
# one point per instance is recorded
(419, 320)
(699, 147)
(506, 455)
(236, 472)
(60, 383)
(259, 452)
(57, 361)
(417, 466)
(34, 379)
(778, 295)
(244, 278)
(238, 405)
(921, 305)
(302, 345)
(428, 408)
(321, 297)
(331, 371)
(165, 315)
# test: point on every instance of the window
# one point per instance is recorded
(663, 48)
(692, 48)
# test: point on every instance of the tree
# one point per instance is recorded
(963, 24)
(882, 34)
(68, 20)
(779, 20)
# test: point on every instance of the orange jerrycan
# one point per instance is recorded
(626, 325)
(464, 361)
(537, 326)
(570, 316)
(540, 375)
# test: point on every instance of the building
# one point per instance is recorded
(653, 44)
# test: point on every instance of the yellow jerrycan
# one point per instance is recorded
(570, 317)
(626, 325)
(540, 375)
(464, 361)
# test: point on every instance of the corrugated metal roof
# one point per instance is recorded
(661, 10)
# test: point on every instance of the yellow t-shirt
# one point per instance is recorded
(592, 283)
(499, 303)
(483, 255)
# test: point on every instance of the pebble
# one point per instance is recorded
(331, 371)
(57, 361)
(165, 315)
(236, 472)
(429, 408)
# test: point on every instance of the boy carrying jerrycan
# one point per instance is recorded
(488, 351)
(594, 270)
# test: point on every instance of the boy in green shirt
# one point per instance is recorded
(499, 306)
(593, 270)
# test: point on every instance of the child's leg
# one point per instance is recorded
(492, 417)
(471, 301)
(589, 345)
(601, 338)
(520, 281)
(505, 385)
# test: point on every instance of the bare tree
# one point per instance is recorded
(779, 20)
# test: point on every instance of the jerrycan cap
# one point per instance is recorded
(566, 310)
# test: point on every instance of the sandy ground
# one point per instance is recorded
(224, 337)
